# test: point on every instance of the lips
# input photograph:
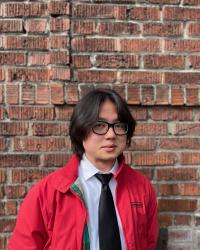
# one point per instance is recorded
(109, 148)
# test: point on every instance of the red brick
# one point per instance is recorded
(120, 89)
(11, 26)
(94, 44)
(163, 29)
(145, 13)
(12, 58)
(96, 76)
(22, 160)
(58, 42)
(72, 96)
(81, 61)
(11, 208)
(52, 160)
(7, 225)
(174, 174)
(147, 95)
(1, 95)
(39, 58)
(30, 42)
(27, 74)
(171, 114)
(192, 95)
(2, 74)
(181, 13)
(41, 144)
(140, 77)
(187, 129)
(15, 191)
(180, 234)
(177, 205)
(63, 112)
(162, 94)
(118, 28)
(84, 27)
(2, 242)
(2, 176)
(164, 61)
(194, 62)
(133, 94)
(117, 61)
(59, 24)
(154, 159)
(139, 114)
(191, 2)
(60, 73)
(179, 143)
(177, 95)
(12, 93)
(59, 57)
(181, 78)
(193, 29)
(28, 175)
(2, 113)
(28, 94)
(176, 45)
(30, 113)
(36, 25)
(42, 94)
(13, 128)
(190, 158)
(84, 89)
(58, 8)
(165, 1)
(138, 144)
(41, 129)
(139, 45)
(165, 220)
(182, 220)
(25, 9)
(57, 93)
(98, 10)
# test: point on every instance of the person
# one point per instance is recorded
(96, 201)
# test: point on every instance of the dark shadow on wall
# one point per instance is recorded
(162, 239)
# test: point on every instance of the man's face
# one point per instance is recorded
(102, 150)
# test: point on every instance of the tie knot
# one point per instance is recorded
(104, 178)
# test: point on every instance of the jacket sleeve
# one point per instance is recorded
(152, 221)
(30, 232)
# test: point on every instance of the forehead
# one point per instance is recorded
(108, 110)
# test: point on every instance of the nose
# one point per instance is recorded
(110, 133)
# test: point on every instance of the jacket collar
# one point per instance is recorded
(68, 174)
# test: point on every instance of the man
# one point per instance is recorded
(96, 201)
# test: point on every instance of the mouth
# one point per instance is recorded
(109, 147)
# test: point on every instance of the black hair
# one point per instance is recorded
(86, 113)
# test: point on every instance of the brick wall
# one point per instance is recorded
(53, 52)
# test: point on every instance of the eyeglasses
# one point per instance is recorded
(102, 127)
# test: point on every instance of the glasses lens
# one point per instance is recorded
(120, 128)
(100, 128)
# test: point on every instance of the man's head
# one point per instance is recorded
(98, 106)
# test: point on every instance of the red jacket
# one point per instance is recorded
(53, 216)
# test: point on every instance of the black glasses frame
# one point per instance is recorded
(110, 125)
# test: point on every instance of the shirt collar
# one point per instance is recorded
(88, 170)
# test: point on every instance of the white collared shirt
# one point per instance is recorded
(92, 190)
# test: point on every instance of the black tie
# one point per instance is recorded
(109, 237)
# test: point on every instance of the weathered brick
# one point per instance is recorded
(81, 61)
(187, 129)
(1, 93)
(139, 114)
(63, 112)
(194, 61)
(52, 160)
(7, 225)
(14, 191)
(164, 61)
(36, 25)
(28, 175)
(145, 13)
(191, 2)
(59, 24)
(147, 95)
(58, 42)
(12, 93)
(84, 27)
(182, 220)
(72, 96)
(13, 128)
(140, 77)
(28, 42)
(165, 1)
(11, 208)
(165, 220)
(59, 73)
(58, 8)
(175, 174)
(154, 159)
(162, 94)
(12, 58)
(96, 76)
(177, 45)
(181, 13)
(143, 144)
(22, 160)
(2, 113)
(28, 94)
(192, 95)
(163, 29)
(2, 176)
(59, 57)
(181, 78)
(57, 93)
(118, 28)
(41, 129)
(181, 205)
(2, 74)
(139, 45)
(133, 94)
(39, 58)
(190, 158)
(179, 143)
(42, 94)
(151, 129)
(30, 113)
(7, 26)
(117, 61)
(177, 95)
